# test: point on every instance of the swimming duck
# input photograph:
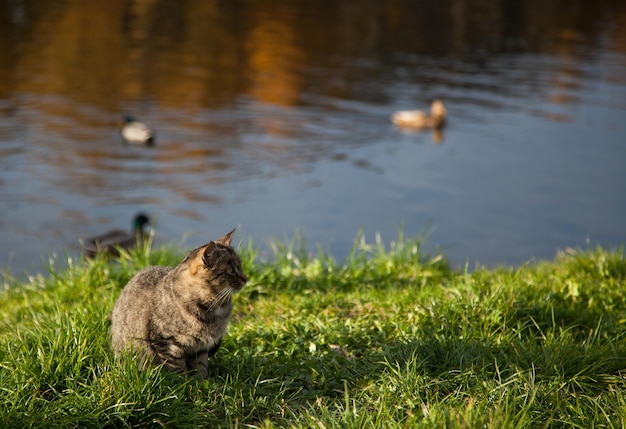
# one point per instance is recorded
(109, 243)
(135, 132)
(419, 119)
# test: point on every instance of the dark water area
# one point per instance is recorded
(273, 117)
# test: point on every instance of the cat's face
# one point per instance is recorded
(218, 267)
(223, 266)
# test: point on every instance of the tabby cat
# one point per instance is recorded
(177, 316)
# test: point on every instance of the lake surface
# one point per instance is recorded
(273, 117)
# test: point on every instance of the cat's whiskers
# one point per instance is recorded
(222, 297)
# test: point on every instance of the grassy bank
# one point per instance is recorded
(387, 338)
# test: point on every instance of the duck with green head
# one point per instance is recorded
(111, 242)
(136, 133)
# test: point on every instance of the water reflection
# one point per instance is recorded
(245, 97)
(275, 56)
(204, 54)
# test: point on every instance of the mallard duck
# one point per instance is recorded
(419, 119)
(135, 132)
(109, 243)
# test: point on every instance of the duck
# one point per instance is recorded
(137, 133)
(419, 119)
(111, 242)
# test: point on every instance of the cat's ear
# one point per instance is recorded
(207, 253)
(225, 240)
(202, 258)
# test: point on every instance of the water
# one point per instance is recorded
(274, 117)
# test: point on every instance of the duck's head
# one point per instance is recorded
(140, 221)
(128, 119)
(437, 109)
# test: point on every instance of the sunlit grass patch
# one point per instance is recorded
(388, 337)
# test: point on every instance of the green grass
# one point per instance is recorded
(389, 337)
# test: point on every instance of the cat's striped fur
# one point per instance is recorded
(177, 316)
